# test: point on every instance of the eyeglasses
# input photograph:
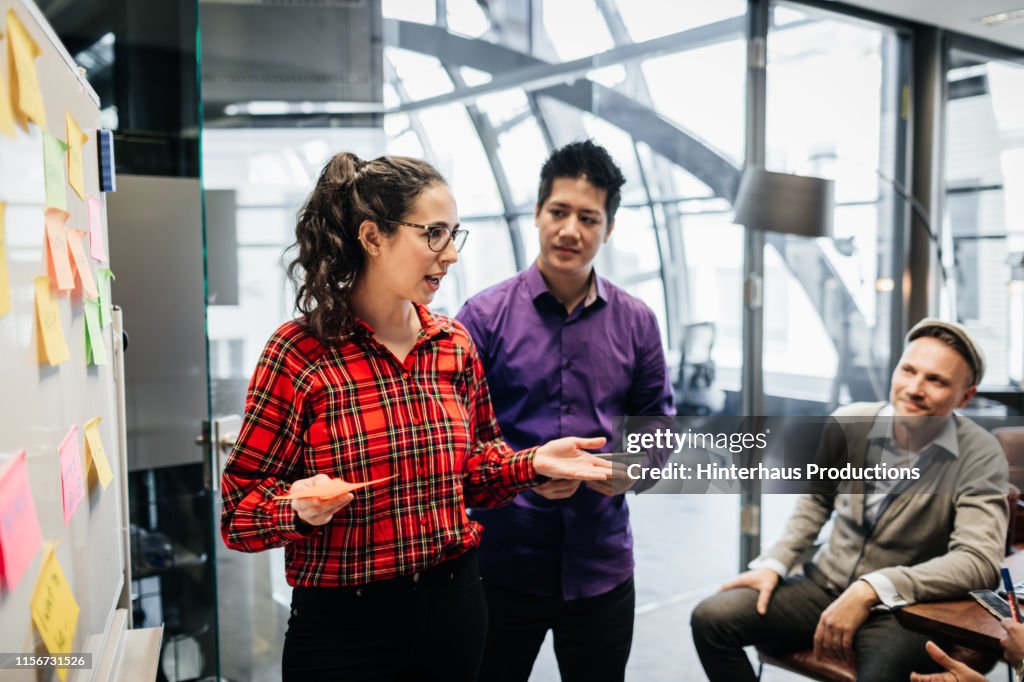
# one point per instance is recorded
(438, 236)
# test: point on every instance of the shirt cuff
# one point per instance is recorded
(885, 590)
(288, 523)
(769, 563)
(518, 471)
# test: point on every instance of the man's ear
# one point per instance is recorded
(608, 234)
(968, 395)
(370, 237)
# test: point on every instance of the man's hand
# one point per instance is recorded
(316, 511)
(619, 482)
(764, 580)
(955, 670)
(1013, 641)
(557, 490)
(566, 458)
(841, 620)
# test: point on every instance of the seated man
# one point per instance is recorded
(956, 671)
(884, 549)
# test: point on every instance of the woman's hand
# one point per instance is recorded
(316, 511)
(565, 458)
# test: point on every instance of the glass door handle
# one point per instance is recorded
(223, 435)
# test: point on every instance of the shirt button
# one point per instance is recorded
(568, 409)
(568, 364)
(421, 472)
(415, 419)
(423, 520)
(405, 375)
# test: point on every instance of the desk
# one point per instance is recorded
(963, 621)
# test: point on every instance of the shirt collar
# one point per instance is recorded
(946, 439)
(430, 325)
(537, 287)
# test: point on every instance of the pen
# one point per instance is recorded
(1011, 596)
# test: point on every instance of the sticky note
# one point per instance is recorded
(5, 285)
(103, 276)
(95, 347)
(96, 246)
(54, 609)
(19, 526)
(81, 262)
(95, 454)
(51, 346)
(6, 114)
(76, 170)
(71, 479)
(58, 263)
(53, 169)
(22, 52)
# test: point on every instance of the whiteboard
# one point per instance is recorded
(38, 404)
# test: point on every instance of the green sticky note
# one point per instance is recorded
(103, 277)
(54, 150)
(95, 349)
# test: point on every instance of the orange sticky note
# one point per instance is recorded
(331, 488)
(19, 526)
(81, 262)
(98, 250)
(50, 343)
(5, 287)
(58, 264)
(22, 52)
(6, 115)
(71, 479)
(76, 172)
(95, 455)
(54, 609)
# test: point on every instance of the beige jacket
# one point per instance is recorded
(931, 546)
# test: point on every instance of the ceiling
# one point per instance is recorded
(956, 15)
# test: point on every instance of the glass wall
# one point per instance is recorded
(983, 217)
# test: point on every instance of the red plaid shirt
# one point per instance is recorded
(351, 410)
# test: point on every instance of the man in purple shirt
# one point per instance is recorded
(566, 352)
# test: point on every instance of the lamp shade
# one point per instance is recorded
(781, 202)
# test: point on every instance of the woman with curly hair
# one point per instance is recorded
(368, 384)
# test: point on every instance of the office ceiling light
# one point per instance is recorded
(781, 202)
(1008, 17)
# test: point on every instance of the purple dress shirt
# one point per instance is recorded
(554, 374)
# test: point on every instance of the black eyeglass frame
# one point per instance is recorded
(456, 234)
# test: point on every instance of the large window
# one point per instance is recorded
(984, 208)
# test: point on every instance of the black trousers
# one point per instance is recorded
(726, 622)
(428, 626)
(592, 636)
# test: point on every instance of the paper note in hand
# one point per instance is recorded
(331, 488)
(19, 525)
(54, 609)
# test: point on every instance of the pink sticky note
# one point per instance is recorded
(71, 479)
(82, 266)
(96, 246)
(20, 538)
(57, 257)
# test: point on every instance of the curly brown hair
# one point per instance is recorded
(330, 257)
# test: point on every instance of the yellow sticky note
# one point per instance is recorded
(76, 172)
(22, 52)
(6, 115)
(54, 609)
(51, 346)
(58, 265)
(81, 261)
(95, 453)
(5, 287)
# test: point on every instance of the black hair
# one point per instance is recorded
(584, 159)
(348, 191)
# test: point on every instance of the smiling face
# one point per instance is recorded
(405, 267)
(931, 380)
(573, 225)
